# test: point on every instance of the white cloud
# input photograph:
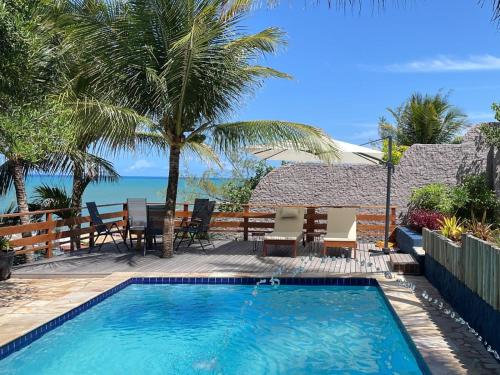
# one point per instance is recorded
(140, 164)
(447, 64)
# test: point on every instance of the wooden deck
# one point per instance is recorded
(228, 256)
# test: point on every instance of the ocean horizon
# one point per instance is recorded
(151, 188)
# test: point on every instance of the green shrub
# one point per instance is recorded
(474, 198)
(236, 193)
(397, 152)
(435, 197)
(471, 198)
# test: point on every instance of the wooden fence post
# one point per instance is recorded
(91, 236)
(48, 220)
(125, 221)
(245, 222)
(393, 215)
(310, 224)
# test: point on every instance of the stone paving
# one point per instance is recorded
(446, 346)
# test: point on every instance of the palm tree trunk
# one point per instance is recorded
(173, 181)
(17, 171)
(78, 188)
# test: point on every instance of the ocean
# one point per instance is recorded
(151, 188)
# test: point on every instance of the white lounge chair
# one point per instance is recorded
(340, 229)
(288, 229)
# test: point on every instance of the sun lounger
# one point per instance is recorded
(340, 229)
(288, 229)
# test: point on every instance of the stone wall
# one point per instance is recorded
(341, 184)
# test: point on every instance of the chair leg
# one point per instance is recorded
(191, 240)
(295, 249)
(121, 232)
(201, 244)
(102, 243)
(264, 249)
(324, 250)
(116, 245)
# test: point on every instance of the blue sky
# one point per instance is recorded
(349, 67)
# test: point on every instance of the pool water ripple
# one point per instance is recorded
(225, 329)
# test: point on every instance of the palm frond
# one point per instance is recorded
(94, 167)
(203, 152)
(232, 136)
(6, 178)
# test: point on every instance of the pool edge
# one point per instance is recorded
(26, 339)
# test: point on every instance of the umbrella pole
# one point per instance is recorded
(386, 248)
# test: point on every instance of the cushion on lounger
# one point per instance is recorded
(288, 213)
(283, 236)
(341, 224)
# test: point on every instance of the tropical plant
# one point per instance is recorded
(238, 192)
(480, 229)
(424, 119)
(29, 73)
(397, 151)
(55, 198)
(29, 141)
(496, 237)
(47, 197)
(185, 65)
(417, 219)
(7, 221)
(452, 228)
(4, 243)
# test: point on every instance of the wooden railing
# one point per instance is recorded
(50, 230)
(474, 262)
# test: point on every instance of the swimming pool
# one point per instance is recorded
(226, 329)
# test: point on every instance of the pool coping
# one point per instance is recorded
(410, 313)
(26, 339)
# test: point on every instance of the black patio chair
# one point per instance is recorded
(102, 228)
(155, 222)
(196, 227)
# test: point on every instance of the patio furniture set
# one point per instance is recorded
(145, 222)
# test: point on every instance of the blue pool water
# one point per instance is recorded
(225, 329)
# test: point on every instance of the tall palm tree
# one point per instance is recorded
(424, 119)
(30, 141)
(185, 65)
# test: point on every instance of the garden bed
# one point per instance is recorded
(468, 276)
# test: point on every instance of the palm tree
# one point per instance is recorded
(29, 142)
(424, 119)
(29, 73)
(185, 65)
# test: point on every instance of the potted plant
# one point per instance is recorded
(6, 258)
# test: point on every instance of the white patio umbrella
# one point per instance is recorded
(348, 153)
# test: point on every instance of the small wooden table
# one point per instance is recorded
(139, 236)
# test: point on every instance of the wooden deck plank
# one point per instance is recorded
(228, 256)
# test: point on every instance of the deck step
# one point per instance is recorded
(404, 263)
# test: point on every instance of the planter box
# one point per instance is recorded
(6, 260)
(468, 277)
(410, 242)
